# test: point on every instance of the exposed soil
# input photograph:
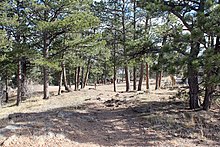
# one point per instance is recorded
(104, 118)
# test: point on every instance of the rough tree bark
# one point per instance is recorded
(193, 77)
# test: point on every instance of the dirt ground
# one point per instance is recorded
(101, 117)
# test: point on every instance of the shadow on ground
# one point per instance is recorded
(145, 124)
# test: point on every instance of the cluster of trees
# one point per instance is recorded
(68, 39)
(46, 37)
(173, 37)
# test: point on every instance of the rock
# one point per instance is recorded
(98, 98)
(117, 95)
(88, 99)
(12, 127)
(89, 118)
(51, 134)
(61, 114)
(60, 136)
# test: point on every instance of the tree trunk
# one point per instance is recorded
(193, 91)
(127, 78)
(6, 88)
(76, 88)
(160, 79)
(82, 78)
(115, 77)
(208, 97)
(78, 77)
(87, 73)
(64, 77)
(147, 78)
(18, 83)
(24, 79)
(134, 78)
(141, 76)
(134, 38)
(68, 76)
(45, 68)
(60, 82)
(157, 80)
(193, 77)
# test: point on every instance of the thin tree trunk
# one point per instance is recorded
(115, 77)
(157, 80)
(82, 78)
(134, 38)
(160, 79)
(60, 82)
(134, 78)
(64, 77)
(78, 77)
(76, 88)
(141, 76)
(18, 83)
(87, 73)
(68, 78)
(45, 68)
(147, 78)
(6, 88)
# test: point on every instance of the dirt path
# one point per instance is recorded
(103, 118)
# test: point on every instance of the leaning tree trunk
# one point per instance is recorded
(64, 77)
(60, 82)
(18, 82)
(141, 76)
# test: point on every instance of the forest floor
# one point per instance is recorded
(102, 117)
